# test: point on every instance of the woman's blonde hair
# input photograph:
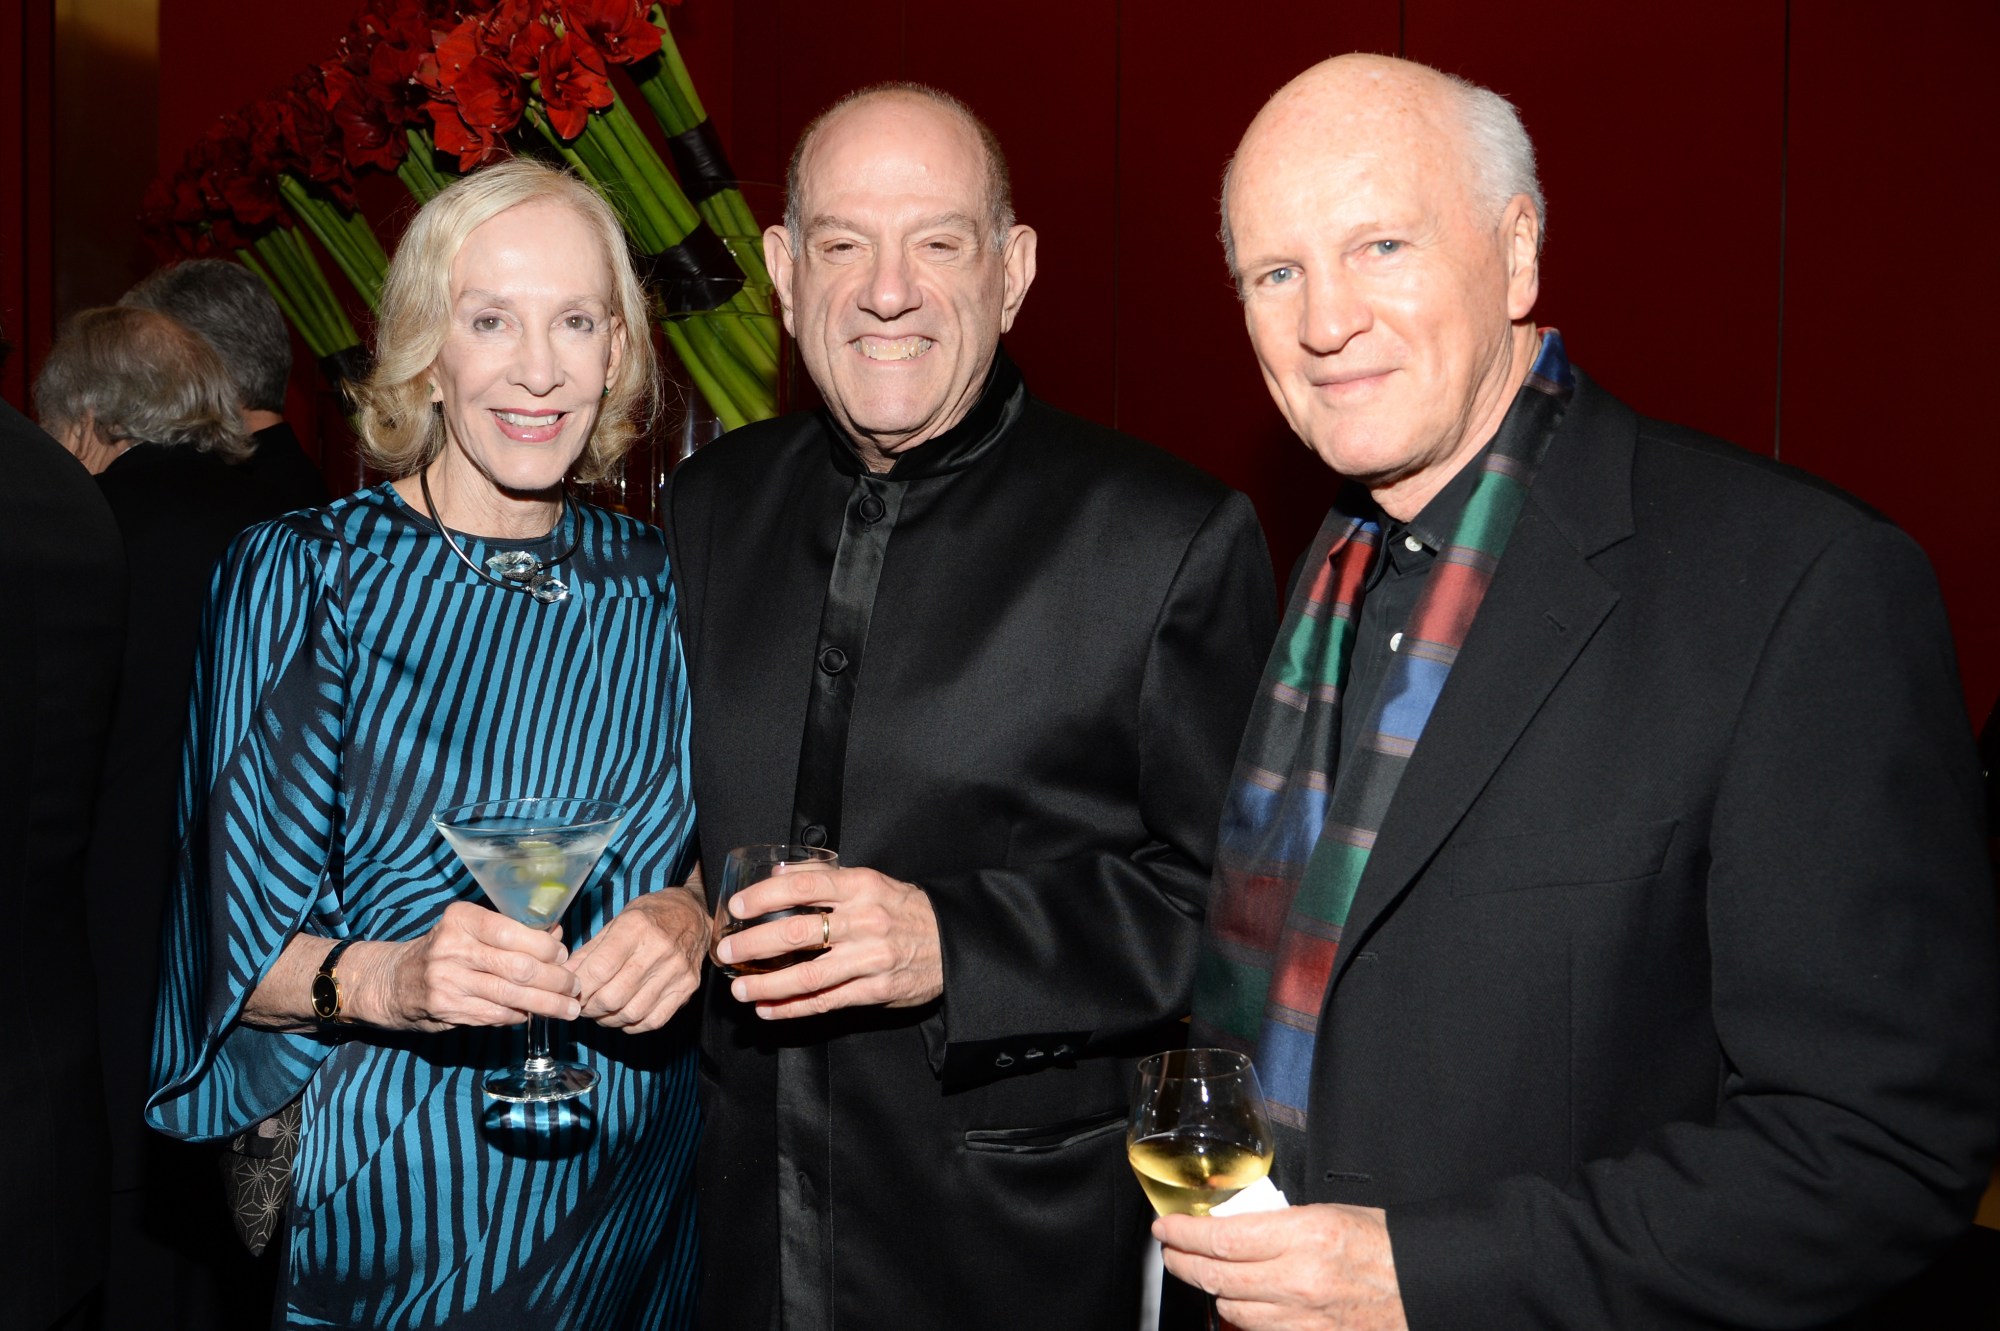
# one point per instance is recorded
(400, 433)
(140, 376)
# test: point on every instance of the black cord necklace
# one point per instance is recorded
(516, 570)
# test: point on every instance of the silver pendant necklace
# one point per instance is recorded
(516, 570)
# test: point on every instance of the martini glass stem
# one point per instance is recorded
(539, 1063)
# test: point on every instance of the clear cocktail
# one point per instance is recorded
(530, 856)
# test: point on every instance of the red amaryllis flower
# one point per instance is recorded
(382, 50)
(170, 215)
(517, 31)
(574, 83)
(618, 28)
(477, 98)
(234, 180)
(310, 138)
(369, 133)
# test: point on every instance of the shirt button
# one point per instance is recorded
(1412, 544)
(813, 835)
(1004, 1061)
(872, 508)
(1395, 642)
(833, 660)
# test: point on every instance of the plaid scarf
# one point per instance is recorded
(1295, 834)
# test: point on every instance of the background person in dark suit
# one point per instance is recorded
(1641, 971)
(229, 305)
(996, 656)
(151, 409)
(58, 671)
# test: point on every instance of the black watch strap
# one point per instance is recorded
(326, 994)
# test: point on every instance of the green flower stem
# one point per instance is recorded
(419, 172)
(586, 153)
(321, 288)
(288, 270)
(705, 383)
(616, 169)
(754, 394)
(742, 332)
(248, 258)
(346, 236)
(677, 72)
(630, 142)
(279, 250)
(669, 90)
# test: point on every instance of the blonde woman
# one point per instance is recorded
(466, 631)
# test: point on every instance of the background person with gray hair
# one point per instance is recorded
(152, 411)
(230, 306)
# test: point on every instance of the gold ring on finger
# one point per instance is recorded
(825, 930)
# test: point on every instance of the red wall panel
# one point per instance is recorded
(1684, 189)
(1891, 284)
(1186, 378)
(1660, 134)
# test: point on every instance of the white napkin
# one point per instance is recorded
(1263, 1195)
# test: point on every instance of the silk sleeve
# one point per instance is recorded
(260, 801)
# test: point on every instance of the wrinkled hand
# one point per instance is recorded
(475, 967)
(1310, 1268)
(639, 969)
(881, 943)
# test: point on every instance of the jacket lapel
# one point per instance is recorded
(1544, 606)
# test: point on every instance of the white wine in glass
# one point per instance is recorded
(1199, 1132)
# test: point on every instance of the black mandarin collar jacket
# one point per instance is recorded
(1014, 671)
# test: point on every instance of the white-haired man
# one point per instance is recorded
(1602, 894)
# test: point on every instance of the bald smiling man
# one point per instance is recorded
(1602, 892)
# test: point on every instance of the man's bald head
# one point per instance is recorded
(1493, 145)
(999, 183)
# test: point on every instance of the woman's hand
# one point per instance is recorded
(475, 967)
(639, 969)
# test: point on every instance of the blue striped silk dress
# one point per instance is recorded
(356, 676)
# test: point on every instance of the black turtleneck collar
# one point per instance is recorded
(999, 406)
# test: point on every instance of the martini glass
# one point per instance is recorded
(530, 856)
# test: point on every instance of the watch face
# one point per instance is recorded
(326, 997)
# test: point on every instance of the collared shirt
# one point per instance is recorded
(1395, 581)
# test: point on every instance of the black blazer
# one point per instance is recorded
(1667, 998)
(58, 670)
(1061, 651)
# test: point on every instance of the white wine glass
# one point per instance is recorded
(530, 856)
(1199, 1132)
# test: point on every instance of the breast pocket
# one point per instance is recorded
(1572, 857)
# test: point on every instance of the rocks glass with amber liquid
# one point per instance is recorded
(530, 856)
(1199, 1133)
(753, 864)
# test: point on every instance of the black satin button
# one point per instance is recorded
(872, 508)
(813, 835)
(832, 660)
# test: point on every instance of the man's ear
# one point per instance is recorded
(1017, 263)
(1521, 233)
(778, 259)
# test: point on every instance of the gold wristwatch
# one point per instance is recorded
(326, 988)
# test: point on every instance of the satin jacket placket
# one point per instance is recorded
(805, 1109)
